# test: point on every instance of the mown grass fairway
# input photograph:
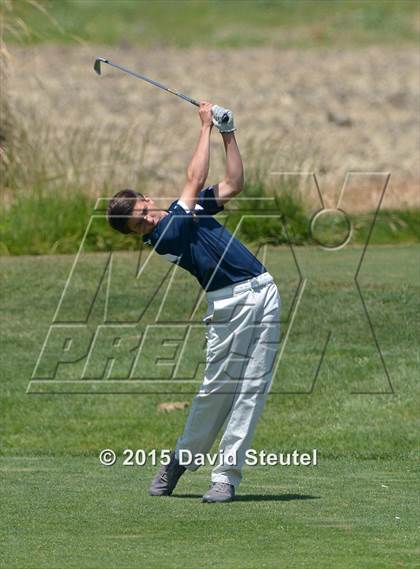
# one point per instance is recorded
(75, 513)
(357, 508)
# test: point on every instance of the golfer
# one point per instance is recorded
(243, 315)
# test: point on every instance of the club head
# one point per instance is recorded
(97, 64)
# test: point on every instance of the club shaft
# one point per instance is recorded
(152, 82)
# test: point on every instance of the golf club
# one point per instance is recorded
(97, 68)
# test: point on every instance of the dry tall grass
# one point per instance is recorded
(327, 111)
(63, 128)
(20, 159)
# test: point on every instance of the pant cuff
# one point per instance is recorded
(226, 479)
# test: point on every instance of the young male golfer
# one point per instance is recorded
(243, 313)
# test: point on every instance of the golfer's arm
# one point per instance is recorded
(198, 169)
(234, 178)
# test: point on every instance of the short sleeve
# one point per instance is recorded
(172, 233)
(207, 200)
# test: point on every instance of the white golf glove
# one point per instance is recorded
(218, 114)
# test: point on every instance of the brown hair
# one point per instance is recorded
(120, 209)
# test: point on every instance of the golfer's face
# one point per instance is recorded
(143, 218)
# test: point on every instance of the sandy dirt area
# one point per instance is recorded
(325, 111)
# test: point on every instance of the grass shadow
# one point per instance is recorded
(259, 497)
(274, 497)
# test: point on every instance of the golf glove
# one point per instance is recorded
(218, 113)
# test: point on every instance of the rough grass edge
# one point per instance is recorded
(56, 223)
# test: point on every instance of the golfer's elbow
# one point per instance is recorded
(235, 185)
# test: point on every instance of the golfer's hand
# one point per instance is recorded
(218, 114)
(205, 113)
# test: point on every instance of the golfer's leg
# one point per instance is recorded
(207, 415)
(251, 397)
(211, 405)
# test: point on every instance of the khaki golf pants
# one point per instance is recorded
(243, 332)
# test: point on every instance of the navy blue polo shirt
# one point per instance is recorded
(201, 245)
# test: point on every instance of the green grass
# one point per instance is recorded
(333, 417)
(46, 223)
(75, 513)
(61, 508)
(51, 222)
(185, 23)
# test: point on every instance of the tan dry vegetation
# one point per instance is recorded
(324, 110)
